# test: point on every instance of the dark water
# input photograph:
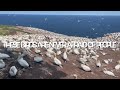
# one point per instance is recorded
(91, 26)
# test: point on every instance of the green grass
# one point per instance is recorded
(7, 30)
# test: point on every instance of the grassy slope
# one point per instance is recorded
(6, 30)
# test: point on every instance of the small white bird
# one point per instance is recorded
(83, 52)
(13, 71)
(97, 55)
(2, 64)
(75, 76)
(57, 61)
(86, 56)
(50, 50)
(3, 56)
(22, 62)
(103, 53)
(38, 59)
(117, 67)
(37, 50)
(110, 73)
(93, 29)
(76, 51)
(113, 49)
(58, 52)
(110, 60)
(65, 57)
(94, 58)
(85, 67)
(92, 52)
(106, 61)
(83, 60)
(98, 64)
(49, 55)
(117, 49)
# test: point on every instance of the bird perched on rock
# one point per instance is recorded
(2, 64)
(85, 68)
(3, 56)
(13, 71)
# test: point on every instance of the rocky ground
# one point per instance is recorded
(48, 70)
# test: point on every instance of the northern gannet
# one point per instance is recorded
(13, 71)
(2, 64)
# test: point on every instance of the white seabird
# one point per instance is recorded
(93, 29)
(98, 64)
(82, 60)
(65, 57)
(37, 51)
(50, 50)
(85, 68)
(57, 61)
(3, 56)
(76, 51)
(22, 62)
(106, 61)
(13, 71)
(117, 67)
(2, 64)
(58, 52)
(38, 59)
(110, 73)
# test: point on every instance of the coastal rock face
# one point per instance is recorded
(47, 69)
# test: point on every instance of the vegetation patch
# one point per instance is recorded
(7, 30)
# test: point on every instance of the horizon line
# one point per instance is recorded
(58, 14)
(97, 13)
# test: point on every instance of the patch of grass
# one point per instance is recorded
(7, 30)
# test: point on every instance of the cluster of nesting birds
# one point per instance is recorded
(22, 62)
(86, 55)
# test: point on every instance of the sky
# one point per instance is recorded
(63, 12)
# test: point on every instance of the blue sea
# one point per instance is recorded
(75, 25)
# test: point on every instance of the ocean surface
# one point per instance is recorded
(75, 25)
